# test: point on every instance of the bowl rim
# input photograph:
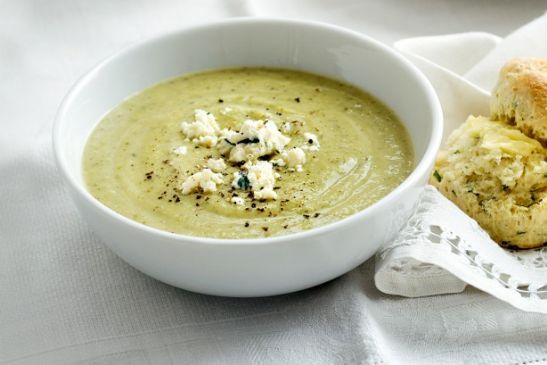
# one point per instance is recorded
(419, 170)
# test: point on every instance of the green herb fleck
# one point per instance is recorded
(437, 176)
(521, 232)
(243, 181)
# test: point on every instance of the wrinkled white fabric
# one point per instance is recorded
(421, 262)
(65, 298)
(440, 250)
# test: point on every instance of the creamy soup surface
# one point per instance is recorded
(336, 150)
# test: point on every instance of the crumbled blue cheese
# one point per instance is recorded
(242, 153)
(312, 142)
(262, 179)
(181, 150)
(224, 143)
(238, 200)
(259, 177)
(241, 181)
(203, 131)
(294, 158)
(204, 180)
(256, 138)
(216, 164)
(206, 141)
(278, 162)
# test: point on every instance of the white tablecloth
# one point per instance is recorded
(65, 298)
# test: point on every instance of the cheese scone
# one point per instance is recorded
(520, 97)
(498, 176)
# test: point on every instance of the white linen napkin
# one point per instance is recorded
(441, 250)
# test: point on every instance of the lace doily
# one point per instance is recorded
(429, 257)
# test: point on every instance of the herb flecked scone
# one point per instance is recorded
(495, 169)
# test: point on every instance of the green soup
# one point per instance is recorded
(129, 164)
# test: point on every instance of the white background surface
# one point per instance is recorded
(64, 298)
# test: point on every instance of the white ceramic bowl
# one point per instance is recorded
(262, 266)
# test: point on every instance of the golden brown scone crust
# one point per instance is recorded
(498, 176)
(520, 97)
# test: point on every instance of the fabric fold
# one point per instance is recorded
(441, 250)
